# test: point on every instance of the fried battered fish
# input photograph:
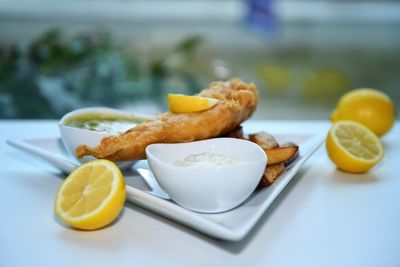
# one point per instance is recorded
(237, 101)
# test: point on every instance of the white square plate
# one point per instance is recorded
(142, 189)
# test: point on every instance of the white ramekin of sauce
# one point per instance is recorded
(210, 176)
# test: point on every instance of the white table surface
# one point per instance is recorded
(324, 217)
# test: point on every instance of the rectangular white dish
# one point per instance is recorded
(142, 189)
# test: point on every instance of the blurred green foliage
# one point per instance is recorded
(55, 74)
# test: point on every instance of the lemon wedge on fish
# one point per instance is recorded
(179, 103)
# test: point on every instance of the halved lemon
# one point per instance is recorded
(353, 147)
(92, 196)
(179, 103)
(370, 107)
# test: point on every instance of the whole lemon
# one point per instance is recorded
(370, 107)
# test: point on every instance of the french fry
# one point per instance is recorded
(264, 140)
(280, 154)
(279, 157)
(292, 158)
(270, 174)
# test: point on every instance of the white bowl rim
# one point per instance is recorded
(221, 139)
(99, 109)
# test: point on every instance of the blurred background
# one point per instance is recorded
(56, 56)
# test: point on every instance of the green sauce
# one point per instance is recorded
(103, 123)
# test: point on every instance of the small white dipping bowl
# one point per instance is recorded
(72, 137)
(208, 189)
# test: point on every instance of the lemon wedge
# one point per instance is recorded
(92, 196)
(179, 103)
(353, 147)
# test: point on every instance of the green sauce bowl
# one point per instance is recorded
(88, 126)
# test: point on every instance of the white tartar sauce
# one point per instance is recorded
(206, 159)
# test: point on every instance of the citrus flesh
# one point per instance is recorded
(179, 103)
(369, 107)
(92, 196)
(353, 147)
